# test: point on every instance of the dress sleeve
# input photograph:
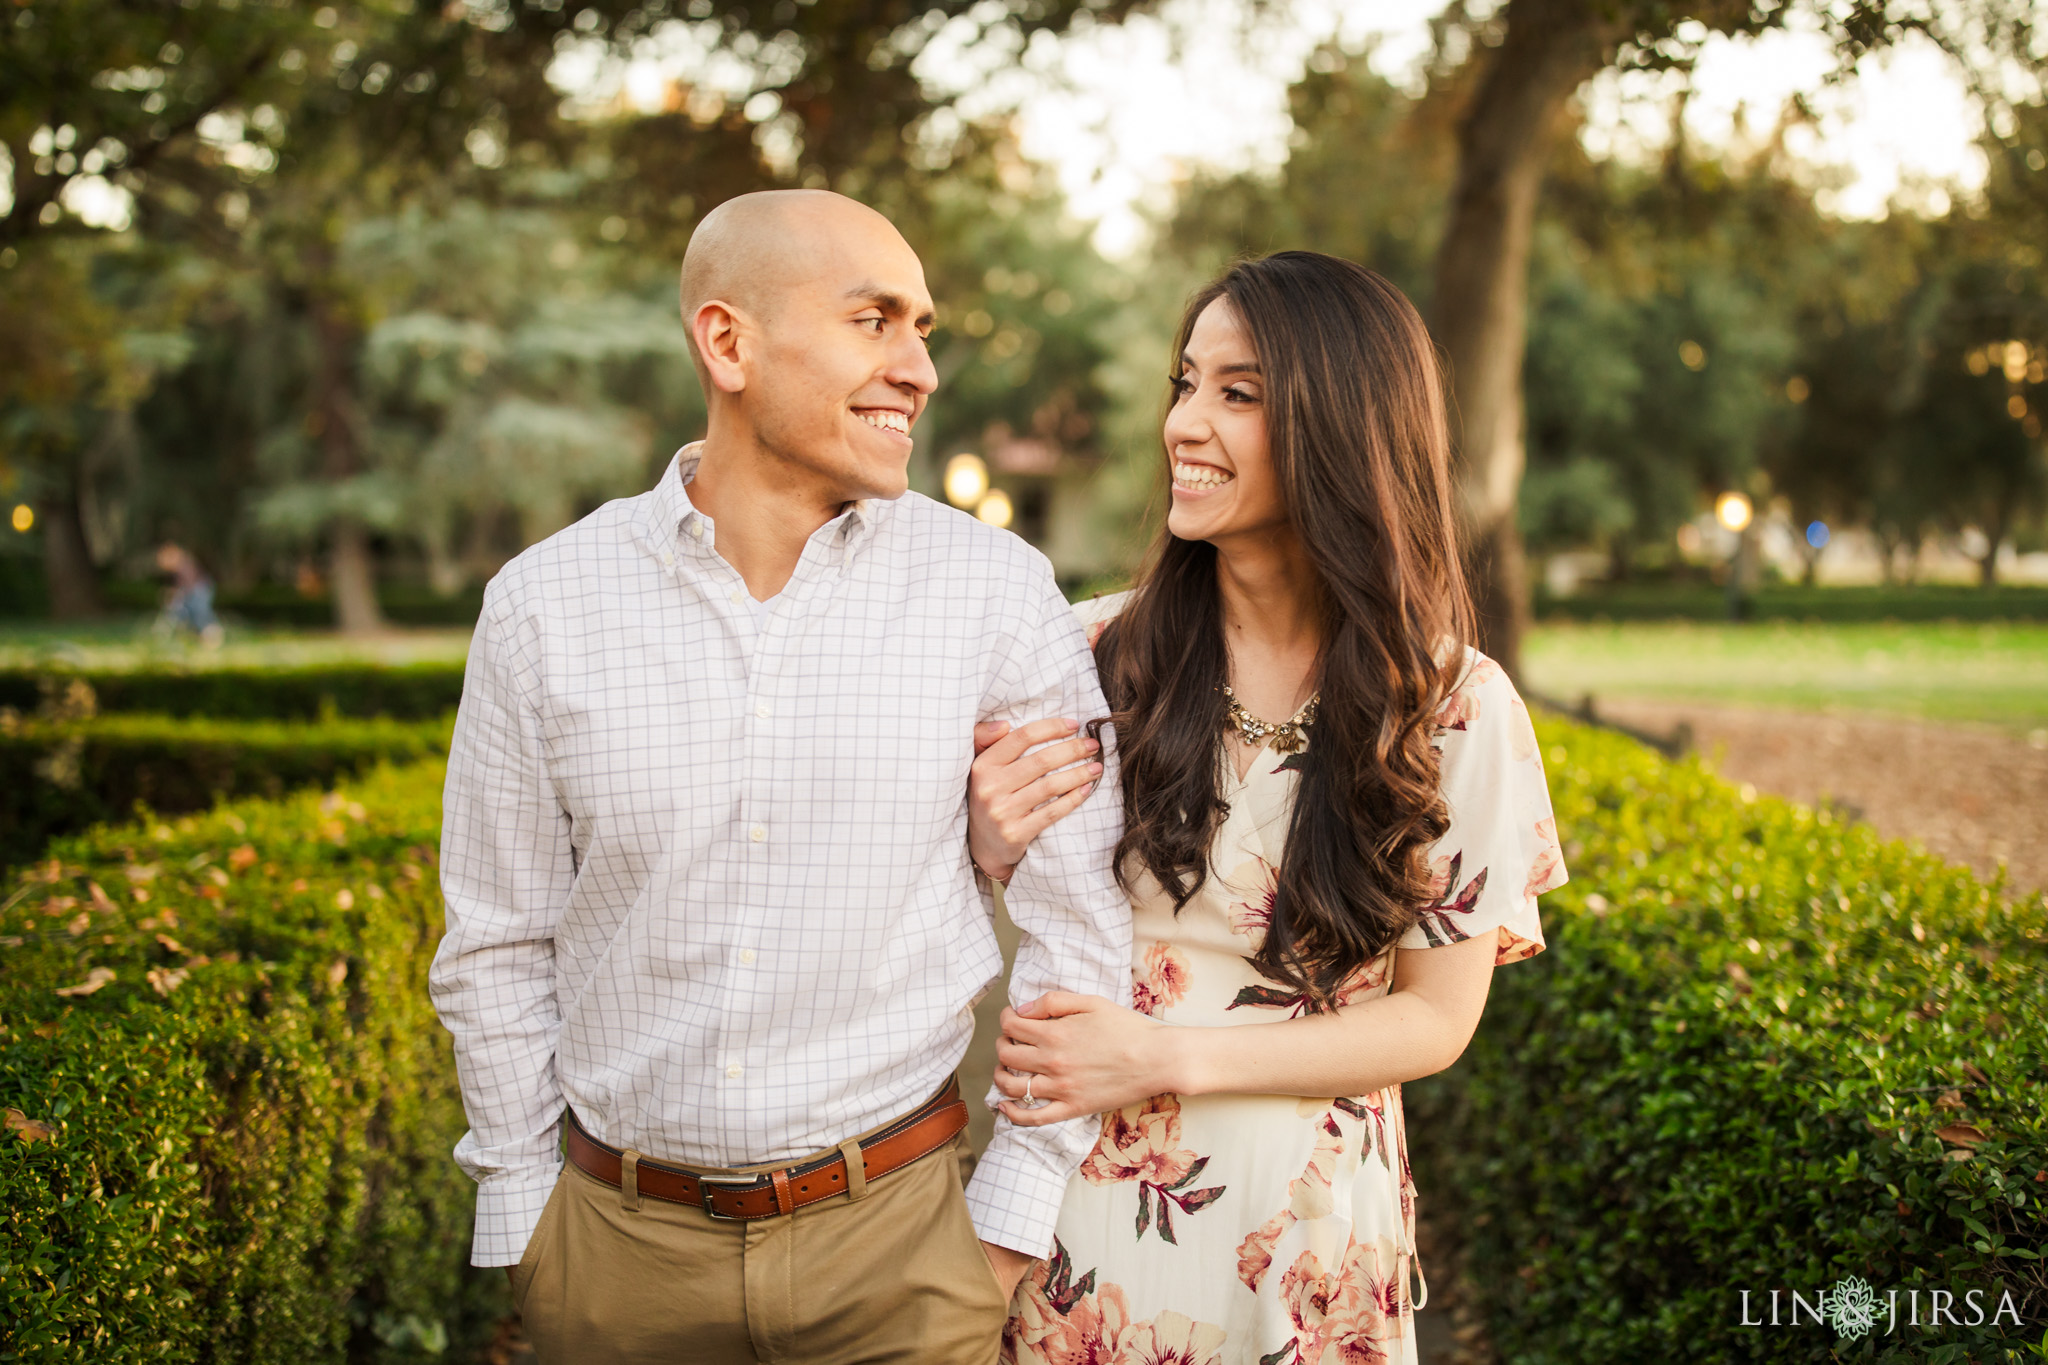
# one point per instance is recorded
(1501, 851)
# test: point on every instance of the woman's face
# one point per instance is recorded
(1223, 482)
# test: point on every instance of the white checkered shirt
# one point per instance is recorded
(707, 872)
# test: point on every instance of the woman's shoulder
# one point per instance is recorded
(1096, 612)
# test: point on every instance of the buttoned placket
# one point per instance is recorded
(826, 556)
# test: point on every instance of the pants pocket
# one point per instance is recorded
(537, 1245)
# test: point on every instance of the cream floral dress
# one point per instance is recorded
(1267, 1229)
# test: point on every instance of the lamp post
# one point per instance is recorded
(1734, 512)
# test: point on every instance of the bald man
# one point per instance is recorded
(714, 941)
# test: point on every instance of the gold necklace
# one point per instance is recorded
(1289, 736)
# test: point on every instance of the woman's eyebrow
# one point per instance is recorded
(1236, 367)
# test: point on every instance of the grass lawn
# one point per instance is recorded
(128, 643)
(1989, 674)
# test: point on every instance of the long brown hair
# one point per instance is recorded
(1355, 423)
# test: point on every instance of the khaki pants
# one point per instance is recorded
(897, 1275)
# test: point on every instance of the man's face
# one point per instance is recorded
(843, 371)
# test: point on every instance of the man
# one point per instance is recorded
(710, 910)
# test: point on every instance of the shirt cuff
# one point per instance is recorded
(507, 1211)
(1015, 1195)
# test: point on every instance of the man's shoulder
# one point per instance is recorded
(936, 537)
(571, 558)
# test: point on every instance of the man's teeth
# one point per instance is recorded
(887, 421)
(1200, 476)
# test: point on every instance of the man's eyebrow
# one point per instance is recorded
(889, 301)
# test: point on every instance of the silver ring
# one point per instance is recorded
(1028, 1079)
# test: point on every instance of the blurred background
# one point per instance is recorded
(313, 315)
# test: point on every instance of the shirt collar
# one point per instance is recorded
(676, 518)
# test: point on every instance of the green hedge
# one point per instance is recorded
(1766, 1050)
(1793, 602)
(406, 692)
(60, 777)
(236, 1149)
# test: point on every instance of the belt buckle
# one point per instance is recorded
(736, 1181)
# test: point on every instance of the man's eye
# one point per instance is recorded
(875, 323)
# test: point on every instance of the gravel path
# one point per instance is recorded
(1971, 795)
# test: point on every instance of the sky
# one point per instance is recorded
(1124, 112)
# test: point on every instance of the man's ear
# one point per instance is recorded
(716, 328)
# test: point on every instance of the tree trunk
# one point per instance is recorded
(67, 561)
(1480, 313)
(351, 563)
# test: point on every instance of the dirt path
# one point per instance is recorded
(1971, 795)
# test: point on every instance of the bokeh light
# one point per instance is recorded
(995, 508)
(966, 480)
(1733, 511)
(24, 516)
(1817, 534)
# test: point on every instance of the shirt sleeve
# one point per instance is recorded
(1501, 851)
(1074, 922)
(506, 870)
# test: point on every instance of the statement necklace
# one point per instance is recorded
(1289, 736)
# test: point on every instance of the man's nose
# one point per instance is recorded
(910, 366)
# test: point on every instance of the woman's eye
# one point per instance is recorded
(1181, 387)
(1239, 395)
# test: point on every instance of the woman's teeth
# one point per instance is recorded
(1199, 476)
(887, 421)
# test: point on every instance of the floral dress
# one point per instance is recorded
(1269, 1229)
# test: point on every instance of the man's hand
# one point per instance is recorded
(1008, 1265)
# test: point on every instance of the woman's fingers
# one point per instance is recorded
(1011, 747)
(988, 732)
(1059, 1111)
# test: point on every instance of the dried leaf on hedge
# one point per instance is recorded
(94, 979)
(165, 980)
(28, 1129)
(338, 973)
(172, 945)
(245, 856)
(1962, 1134)
(1950, 1099)
(100, 899)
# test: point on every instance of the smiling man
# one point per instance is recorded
(712, 929)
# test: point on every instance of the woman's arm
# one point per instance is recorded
(1086, 1055)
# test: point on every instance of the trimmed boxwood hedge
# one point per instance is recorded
(406, 692)
(60, 777)
(236, 1148)
(1767, 1050)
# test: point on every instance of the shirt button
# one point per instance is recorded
(764, 710)
(668, 559)
(738, 597)
(697, 530)
(746, 957)
(733, 1072)
(759, 834)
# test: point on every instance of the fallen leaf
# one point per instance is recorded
(1950, 1100)
(79, 925)
(164, 981)
(218, 875)
(12, 941)
(1962, 1134)
(100, 899)
(344, 899)
(49, 1030)
(338, 973)
(94, 979)
(172, 945)
(28, 1129)
(1976, 1073)
(245, 856)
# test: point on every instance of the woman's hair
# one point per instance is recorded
(1354, 410)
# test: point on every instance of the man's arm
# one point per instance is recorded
(1075, 923)
(506, 870)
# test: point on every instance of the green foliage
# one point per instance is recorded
(61, 776)
(401, 692)
(249, 1122)
(1705, 602)
(1733, 1069)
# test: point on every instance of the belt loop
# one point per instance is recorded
(629, 1181)
(856, 1170)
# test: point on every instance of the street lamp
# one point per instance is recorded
(966, 480)
(1735, 512)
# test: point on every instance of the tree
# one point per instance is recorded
(1533, 55)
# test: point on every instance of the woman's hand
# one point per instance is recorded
(1012, 796)
(1083, 1053)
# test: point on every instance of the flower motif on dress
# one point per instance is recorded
(1344, 1318)
(1253, 915)
(1164, 982)
(1309, 1195)
(1437, 925)
(1063, 1321)
(1370, 1108)
(1522, 733)
(1142, 1143)
(1545, 871)
(1461, 708)
(1514, 948)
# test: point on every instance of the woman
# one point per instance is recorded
(1336, 826)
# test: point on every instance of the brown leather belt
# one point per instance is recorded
(771, 1194)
